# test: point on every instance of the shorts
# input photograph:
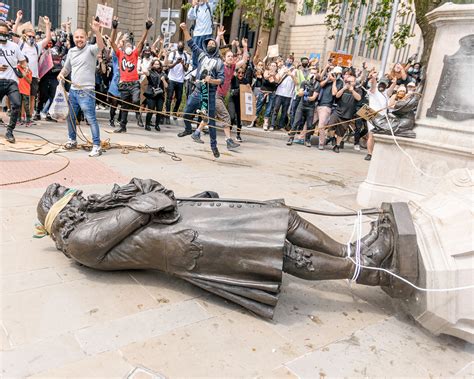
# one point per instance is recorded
(34, 87)
(342, 124)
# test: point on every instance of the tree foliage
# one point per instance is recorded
(261, 12)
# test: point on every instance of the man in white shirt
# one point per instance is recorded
(379, 95)
(178, 63)
(10, 56)
(283, 96)
(32, 51)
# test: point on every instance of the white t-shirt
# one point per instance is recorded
(377, 100)
(176, 74)
(286, 88)
(14, 55)
(33, 53)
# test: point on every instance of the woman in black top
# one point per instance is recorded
(268, 88)
(155, 93)
(234, 100)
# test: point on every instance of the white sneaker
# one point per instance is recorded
(356, 147)
(95, 152)
(43, 116)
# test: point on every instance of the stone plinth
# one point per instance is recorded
(434, 174)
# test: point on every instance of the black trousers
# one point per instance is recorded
(114, 103)
(303, 114)
(294, 107)
(154, 104)
(176, 89)
(47, 90)
(10, 88)
(129, 92)
(283, 103)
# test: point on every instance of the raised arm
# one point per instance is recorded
(19, 16)
(148, 25)
(245, 55)
(95, 26)
(256, 56)
(113, 36)
(47, 24)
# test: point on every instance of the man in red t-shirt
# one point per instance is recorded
(129, 85)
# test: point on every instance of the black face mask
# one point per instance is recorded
(180, 49)
(146, 55)
(305, 64)
(211, 50)
(3, 38)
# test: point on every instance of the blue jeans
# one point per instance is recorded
(192, 105)
(268, 99)
(82, 100)
(198, 40)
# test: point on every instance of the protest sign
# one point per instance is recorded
(273, 51)
(339, 59)
(4, 8)
(45, 63)
(105, 15)
(41, 24)
(248, 105)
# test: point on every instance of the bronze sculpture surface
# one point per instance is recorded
(235, 249)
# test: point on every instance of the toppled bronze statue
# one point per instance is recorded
(235, 249)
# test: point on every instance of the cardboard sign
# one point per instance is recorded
(45, 63)
(41, 24)
(343, 60)
(315, 56)
(4, 8)
(248, 103)
(105, 15)
(273, 51)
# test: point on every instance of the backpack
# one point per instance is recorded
(36, 47)
(208, 7)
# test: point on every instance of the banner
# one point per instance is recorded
(248, 103)
(45, 63)
(343, 60)
(4, 8)
(105, 15)
(41, 24)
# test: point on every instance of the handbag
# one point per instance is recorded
(17, 72)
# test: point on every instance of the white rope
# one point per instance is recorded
(408, 155)
(359, 266)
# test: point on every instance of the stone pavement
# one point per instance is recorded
(62, 320)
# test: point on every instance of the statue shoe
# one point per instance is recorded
(376, 255)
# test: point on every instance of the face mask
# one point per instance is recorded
(211, 50)
(128, 50)
(180, 49)
(3, 38)
(146, 55)
(31, 40)
(305, 64)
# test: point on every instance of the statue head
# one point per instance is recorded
(467, 44)
(53, 193)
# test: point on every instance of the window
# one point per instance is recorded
(307, 9)
(314, 7)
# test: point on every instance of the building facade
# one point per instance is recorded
(302, 32)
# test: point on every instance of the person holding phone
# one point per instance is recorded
(10, 57)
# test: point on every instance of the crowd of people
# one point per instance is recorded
(315, 102)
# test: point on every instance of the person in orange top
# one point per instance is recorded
(24, 85)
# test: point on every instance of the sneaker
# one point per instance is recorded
(49, 118)
(28, 123)
(368, 157)
(42, 116)
(307, 143)
(231, 144)
(265, 127)
(321, 147)
(95, 152)
(196, 138)
(239, 138)
(112, 123)
(290, 141)
(148, 128)
(157, 128)
(251, 125)
(336, 149)
(140, 122)
(356, 147)
(215, 151)
(272, 128)
(9, 136)
(70, 144)
(121, 130)
(184, 133)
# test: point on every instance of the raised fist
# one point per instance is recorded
(115, 23)
(148, 24)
